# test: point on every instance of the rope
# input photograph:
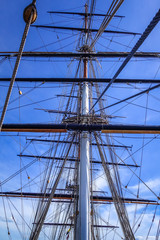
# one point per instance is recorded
(133, 96)
(146, 33)
(116, 191)
(40, 216)
(16, 67)
(110, 14)
(6, 220)
(92, 9)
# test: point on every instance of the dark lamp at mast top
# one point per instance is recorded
(27, 13)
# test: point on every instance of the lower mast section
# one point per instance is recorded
(84, 182)
(84, 189)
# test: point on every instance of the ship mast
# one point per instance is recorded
(84, 184)
(81, 129)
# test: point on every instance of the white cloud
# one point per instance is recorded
(131, 208)
(100, 182)
(153, 184)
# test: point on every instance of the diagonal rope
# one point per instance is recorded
(110, 14)
(116, 191)
(133, 96)
(28, 23)
(145, 34)
(92, 9)
(39, 219)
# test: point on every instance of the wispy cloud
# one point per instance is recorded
(153, 184)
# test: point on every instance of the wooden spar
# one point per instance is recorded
(77, 80)
(105, 128)
(84, 29)
(93, 144)
(129, 131)
(84, 14)
(71, 225)
(74, 159)
(71, 196)
(82, 54)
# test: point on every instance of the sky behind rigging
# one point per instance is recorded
(138, 14)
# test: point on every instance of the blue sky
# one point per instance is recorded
(138, 14)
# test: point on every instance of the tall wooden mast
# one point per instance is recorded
(84, 184)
